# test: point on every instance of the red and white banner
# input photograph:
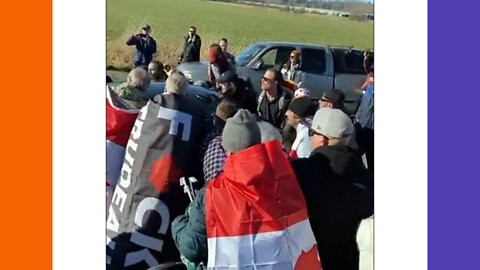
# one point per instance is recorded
(119, 125)
(257, 216)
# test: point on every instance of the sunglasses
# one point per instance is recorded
(312, 132)
(267, 79)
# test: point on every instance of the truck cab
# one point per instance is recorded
(323, 68)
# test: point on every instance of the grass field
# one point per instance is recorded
(241, 25)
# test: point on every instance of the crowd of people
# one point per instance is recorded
(283, 184)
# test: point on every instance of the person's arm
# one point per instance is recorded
(189, 231)
(133, 40)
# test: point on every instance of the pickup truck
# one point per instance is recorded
(323, 67)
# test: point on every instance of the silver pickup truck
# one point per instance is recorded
(323, 67)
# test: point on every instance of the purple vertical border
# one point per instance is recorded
(453, 134)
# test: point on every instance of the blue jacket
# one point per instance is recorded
(146, 47)
(365, 114)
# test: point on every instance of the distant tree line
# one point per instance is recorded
(352, 6)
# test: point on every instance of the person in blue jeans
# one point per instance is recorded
(146, 46)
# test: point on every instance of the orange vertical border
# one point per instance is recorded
(26, 134)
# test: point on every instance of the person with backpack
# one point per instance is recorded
(273, 101)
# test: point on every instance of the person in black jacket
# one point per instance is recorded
(237, 90)
(146, 46)
(337, 187)
(191, 50)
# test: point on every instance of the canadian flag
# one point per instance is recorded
(257, 216)
(119, 125)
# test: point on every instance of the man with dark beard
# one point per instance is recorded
(237, 90)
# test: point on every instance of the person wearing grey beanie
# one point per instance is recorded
(241, 132)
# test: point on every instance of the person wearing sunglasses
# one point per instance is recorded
(338, 188)
(191, 50)
(273, 101)
(332, 98)
(291, 69)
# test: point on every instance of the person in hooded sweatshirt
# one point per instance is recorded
(253, 215)
(337, 187)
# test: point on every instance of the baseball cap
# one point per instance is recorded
(336, 97)
(303, 107)
(146, 27)
(333, 123)
(227, 76)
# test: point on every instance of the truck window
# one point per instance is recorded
(354, 61)
(348, 61)
(314, 61)
(276, 57)
(247, 55)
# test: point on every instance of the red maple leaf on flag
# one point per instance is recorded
(165, 173)
(305, 260)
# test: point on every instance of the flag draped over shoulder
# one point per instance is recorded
(257, 216)
(120, 122)
(163, 146)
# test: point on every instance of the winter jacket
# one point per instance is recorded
(244, 97)
(339, 194)
(146, 47)
(230, 58)
(190, 231)
(191, 50)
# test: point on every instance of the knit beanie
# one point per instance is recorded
(240, 132)
(303, 107)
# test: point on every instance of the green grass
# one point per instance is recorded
(241, 25)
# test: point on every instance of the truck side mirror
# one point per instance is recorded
(257, 64)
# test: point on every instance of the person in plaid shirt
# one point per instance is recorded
(215, 156)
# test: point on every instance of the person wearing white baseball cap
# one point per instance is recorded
(331, 127)
(337, 187)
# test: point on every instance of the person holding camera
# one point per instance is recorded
(191, 50)
(146, 46)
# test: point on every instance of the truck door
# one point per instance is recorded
(271, 57)
(317, 71)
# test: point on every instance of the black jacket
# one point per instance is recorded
(244, 97)
(273, 111)
(338, 190)
(146, 47)
(191, 50)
